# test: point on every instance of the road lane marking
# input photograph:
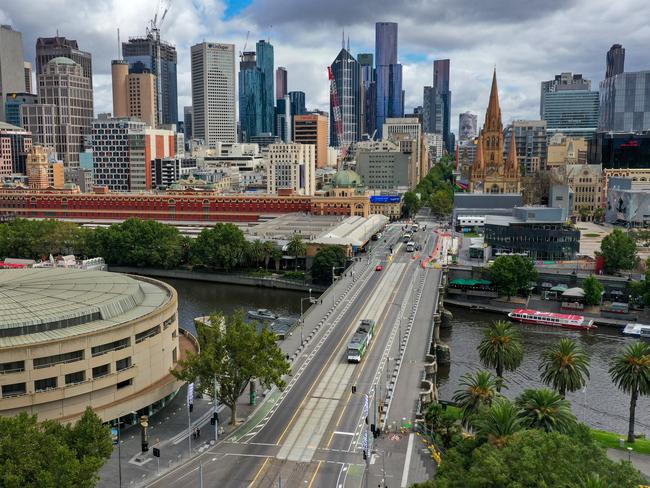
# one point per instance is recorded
(338, 432)
(259, 472)
(407, 462)
(311, 482)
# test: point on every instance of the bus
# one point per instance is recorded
(360, 341)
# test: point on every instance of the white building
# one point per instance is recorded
(213, 93)
(291, 166)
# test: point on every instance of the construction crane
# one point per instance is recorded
(336, 108)
(241, 53)
(155, 24)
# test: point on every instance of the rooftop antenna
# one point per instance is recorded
(348, 42)
(119, 45)
(343, 39)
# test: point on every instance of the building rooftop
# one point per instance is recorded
(44, 304)
(61, 60)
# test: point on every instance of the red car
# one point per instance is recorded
(379, 268)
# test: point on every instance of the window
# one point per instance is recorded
(74, 378)
(103, 370)
(13, 390)
(111, 346)
(124, 383)
(167, 322)
(12, 367)
(46, 384)
(69, 357)
(123, 364)
(147, 333)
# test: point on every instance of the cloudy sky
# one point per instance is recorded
(527, 40)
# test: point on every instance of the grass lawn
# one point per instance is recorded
(470, 234)
(610, 439)
(591, 234)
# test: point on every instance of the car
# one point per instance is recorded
(379, 267)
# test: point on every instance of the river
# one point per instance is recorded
(602, 405)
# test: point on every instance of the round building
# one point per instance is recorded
(72, 338)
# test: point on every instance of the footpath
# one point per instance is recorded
(639, 461)
(169, 429)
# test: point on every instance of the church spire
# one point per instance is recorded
(478, 166)
(493, 114)
(512, 164)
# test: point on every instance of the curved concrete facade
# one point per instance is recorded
(110, 343)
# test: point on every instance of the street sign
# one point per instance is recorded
(156, 452)
(115, 435)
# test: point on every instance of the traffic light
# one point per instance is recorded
(365, 455)
(156, 452)
(215, 418)
(191, 407)
(372, 428)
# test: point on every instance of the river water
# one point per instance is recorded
(602, 405)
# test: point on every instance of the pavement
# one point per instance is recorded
(638, 460)
(312, 433)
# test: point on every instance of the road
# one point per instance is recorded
(312, 433)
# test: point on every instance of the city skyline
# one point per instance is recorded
(306, 41)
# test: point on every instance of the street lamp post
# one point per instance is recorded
(302, 322)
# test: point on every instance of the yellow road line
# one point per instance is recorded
(311, 481)
(259, 472)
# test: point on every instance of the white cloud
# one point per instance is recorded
(528, 41)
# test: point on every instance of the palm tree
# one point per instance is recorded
(501, 349)
(268, 248)
(498, 422)
(255, 252)
(296, 247)
(630, 371)
(593, 480)
(478, 390)
(564, 366)
(546, 410)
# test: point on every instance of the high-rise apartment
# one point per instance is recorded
(298, 106)
(15, 143)
(388, 74)
(280, 82)
(283, 124)
(134, 92)
(441, 87)
(408, 134)
(615, 61)
(264, 54)
(12, 62)
(345, 70)
(64, 113)
(431, 111)
(530, 138)
(251, 96)
(187, 124)
(291, 167)
(159, 58)
(625, 102)
(312, 129)
(368, 94)
(213, 93)
(27, 69)
(119, 161)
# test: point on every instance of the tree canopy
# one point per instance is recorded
(564, 366)
(52, 455)
(441, 202)
(513, 274)
(411, 203)
(35, 239)
(501, 349)
(593, 290)
(533, 459)
(222, 246)
(326, 258)
(233, 352)
(619, 251)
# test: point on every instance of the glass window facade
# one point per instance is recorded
(541, 241)
(625, 102)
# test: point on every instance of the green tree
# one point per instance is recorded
(501, 349)
(546, 410)
(599, 214)
(441, 203)
(325, 259)
(512, 274)
(233, 352)
(268, 252)
(564, 366)
(255, 252)
(497, 422)
(411, 203)
(52, 455)
(220, 247)
(36, 239)
(584, 213)
(477, 390)
(593, 290)
(442, 423)
(534, 459)
(619, 251)
(630, 371)
(297, 248)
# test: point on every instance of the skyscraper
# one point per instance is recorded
(298, 106)
(134, 92)
(12, 74)
(213, 93)
(441, 86)
(280, 82)
(187, 124)
(251, 96)
(312, 129)
(624, 102)
(264, 52)
(563, 82)
(345, 70)
(160, 58)
(530, 139)
(368, 94)
(615, 61)
(64, 113)
(388, 74)
(27, 66)
(48, 48)
(431, 111)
